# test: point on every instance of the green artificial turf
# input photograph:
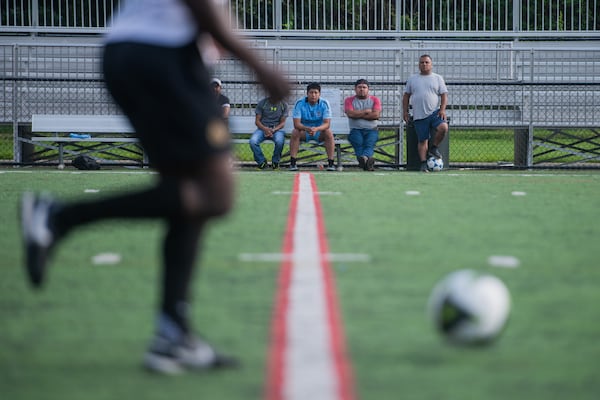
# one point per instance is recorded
(83, 335)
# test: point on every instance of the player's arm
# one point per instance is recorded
(213, 22)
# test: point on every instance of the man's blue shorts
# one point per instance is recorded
(424, 126)
(316, 137)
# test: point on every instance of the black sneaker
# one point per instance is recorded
(190, 353)
(370, 164)
(434, 152)
(330, 167)
(362, 161)
(275, 166)
(424, 167)
(38, 236)
(293, 167)
(262, 165)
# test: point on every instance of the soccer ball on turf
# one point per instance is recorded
(469, 308)
(435, 164)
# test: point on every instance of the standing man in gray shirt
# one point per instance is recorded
(428, 94)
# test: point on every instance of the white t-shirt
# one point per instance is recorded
(161, 22)
(425, 92)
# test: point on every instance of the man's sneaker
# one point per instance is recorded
(434, 152)
(262, 165)
(362, 162)
(189, 353)
(38, 236)
(370, 164)
(424, 167)
(331, 167)
(275, 165)
(293, 167)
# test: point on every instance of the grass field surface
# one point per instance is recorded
(83, 335)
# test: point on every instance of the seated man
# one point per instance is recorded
(312, 116)
(222, 100)
(363, 110)
(270, 119)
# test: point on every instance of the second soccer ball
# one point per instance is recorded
(435, 164)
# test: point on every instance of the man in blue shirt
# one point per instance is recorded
(312, 116)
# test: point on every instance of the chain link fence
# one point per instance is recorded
(508, 106)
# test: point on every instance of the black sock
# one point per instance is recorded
(163, 200)
(330, 162)
(179, 256)
(292, 160)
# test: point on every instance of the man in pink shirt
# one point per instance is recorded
(363, 111)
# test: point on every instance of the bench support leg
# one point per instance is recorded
(61, 162)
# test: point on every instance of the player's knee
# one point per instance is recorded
(202, 200)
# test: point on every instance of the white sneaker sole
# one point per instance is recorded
(162, 364)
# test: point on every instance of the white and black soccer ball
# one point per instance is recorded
(469, 308)
(435, 164)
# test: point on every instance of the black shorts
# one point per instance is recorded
(166, 94)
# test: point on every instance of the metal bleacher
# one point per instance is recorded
(501, 80)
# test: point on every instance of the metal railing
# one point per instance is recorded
(407, 18)
(491, 87)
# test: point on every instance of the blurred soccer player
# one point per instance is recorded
(154, 71)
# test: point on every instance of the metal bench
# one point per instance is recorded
(245, 126)
(106, 126)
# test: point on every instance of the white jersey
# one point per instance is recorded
(425, 92)
(161, 22)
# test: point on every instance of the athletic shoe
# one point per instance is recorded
(37, 234)
(190, 353)
(435, 152)
(370, 164)
(262, 165)
(331, 167)
(424, 167)
(293, 167)
(275, 165)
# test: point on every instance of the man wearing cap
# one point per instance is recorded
(222, 100)
(363, 111)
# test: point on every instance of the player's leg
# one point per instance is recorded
(174, 346)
